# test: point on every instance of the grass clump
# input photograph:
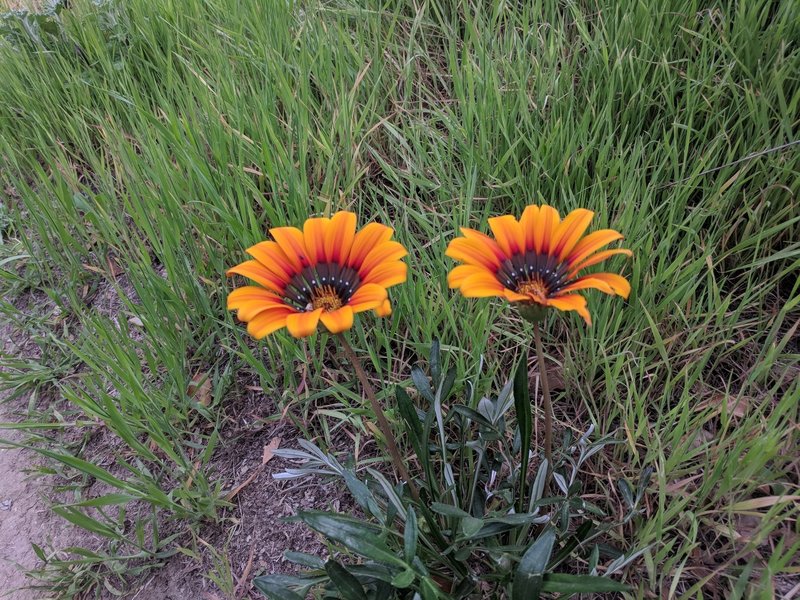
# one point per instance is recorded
(145, 144)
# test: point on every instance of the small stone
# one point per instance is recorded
(6, 504)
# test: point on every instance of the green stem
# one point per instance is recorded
(383, 424)
(548, 405)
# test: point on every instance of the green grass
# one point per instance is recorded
(168, 136)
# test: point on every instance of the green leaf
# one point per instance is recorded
(564, 583)
(362, 495)
(307, 560)
(409, 414)
(627, 493)
(473, 415)
(448, 510)
(470, 526)
(404, 579)
(345, 582)
(522, 404)
(354, 535)
(421, 383)
(273, 589)
(528, 578)
(436, 362)
(410, 535)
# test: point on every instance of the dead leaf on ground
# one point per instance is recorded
(735, 406)
(200, 388)
(269, 452)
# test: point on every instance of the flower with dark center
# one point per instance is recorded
(535, 261)
(326, 272)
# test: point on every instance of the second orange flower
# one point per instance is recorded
(536, 261)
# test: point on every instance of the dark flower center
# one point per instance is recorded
(539, 274)
(326, 285)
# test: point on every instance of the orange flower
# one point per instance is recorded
(326, 272)
(535, 261)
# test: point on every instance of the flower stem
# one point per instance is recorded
(548, 405)
(383, 424)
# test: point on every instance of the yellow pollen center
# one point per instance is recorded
(535, 287)
(326, 298)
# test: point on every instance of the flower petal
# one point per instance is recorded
(340, 235)
(569, 231)
(314, 232)
(610, 283)
(473, 252)
(488, 242)
(385, 309)
(527, 223)
(597, 258)
(270, 255)
(250, 292)
(513, 296)
(481, 285)
(339, 320)
(458, 274)
(290, 239)
(592, 242)
(545, 225)
(268, 322)
(252, 269)
(618, 284)
(388, 274)
(367, 297)
(587, 282)
(508, 233)
(370, 236)
(385, 252)
(303, 324)
(574, 302)
(251, 300)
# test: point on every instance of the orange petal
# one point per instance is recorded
(618, 284)
(252, 269)
(250, 292)
(508, 233)
(481, 285)
(339, 320)
(340, 235)
(527, 223)
(592, 242)
(314, 232)
(569, 231)
(385, 309)
(513, 296)
(268, 322)
(385, 252)
(457, 276)
(574, 302)
(488, 242)
(303, 324)
(290, 239)
(367, 297)
(370, 236)
(545, 225)
(588, 282)
(251, 300)
(388, 274)
(473, 252)
(271, 256)
(597, 258)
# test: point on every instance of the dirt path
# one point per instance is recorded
(24, 518)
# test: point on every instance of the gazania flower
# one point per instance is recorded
(536, 261)
(326, 272)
